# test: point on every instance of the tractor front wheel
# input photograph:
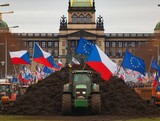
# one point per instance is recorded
(66, 104)
(96, 103)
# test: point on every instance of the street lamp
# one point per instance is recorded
(2, 5)
(157, 53)
(14, 27)
(6, 54)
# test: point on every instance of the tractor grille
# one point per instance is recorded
(81, 93)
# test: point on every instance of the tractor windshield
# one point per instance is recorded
(84, 79)
(81, 78)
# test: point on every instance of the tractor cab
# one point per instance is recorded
(6, 94)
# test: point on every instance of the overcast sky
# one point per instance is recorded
(120, 16)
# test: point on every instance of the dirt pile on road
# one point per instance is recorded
(44, 98)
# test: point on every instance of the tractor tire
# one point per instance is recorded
(66, 104)
(96, 104)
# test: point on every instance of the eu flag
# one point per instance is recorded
(154, 64)
(134, 63)
(84, 46)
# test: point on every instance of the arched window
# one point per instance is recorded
(74, 18)
(88, 19)
(81, 19)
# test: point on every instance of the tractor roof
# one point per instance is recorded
(82, 71)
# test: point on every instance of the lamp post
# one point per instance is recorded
(157, 53)
(2, 5)
(6, 52)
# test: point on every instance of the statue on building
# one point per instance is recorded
(63, 21)
(100, 21)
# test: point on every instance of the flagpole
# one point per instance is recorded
(85, 63)
(121, 63)
(32, 56)
(15, 70)
(19, 84)
(150, 64)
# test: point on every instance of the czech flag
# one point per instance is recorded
(101, 63)
(60, 63)
(20, 57)
(55, 67)
(42, 57)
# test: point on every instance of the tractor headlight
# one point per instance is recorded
(78, 92)
(84, 92)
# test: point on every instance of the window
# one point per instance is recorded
(55, 53)
(133, 44)
(88, 19)
(113, 44)
(125, 44)
(30, 44)
(73, 43)
(43, 44)
(55, 44)
(74, 18)
(119, 44)
(81, 19)
(107, 44)
(63, 51)
(49, 44)
(24, 44)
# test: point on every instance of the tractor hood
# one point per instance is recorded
(81, 86)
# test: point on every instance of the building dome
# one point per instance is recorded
(82, 3)
(157, 26)
(3, 25)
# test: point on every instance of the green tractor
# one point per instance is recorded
(81, 93)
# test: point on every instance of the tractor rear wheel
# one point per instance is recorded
(96, 103)
(66, 104)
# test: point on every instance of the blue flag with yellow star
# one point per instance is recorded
(84, 46)
(134, 63)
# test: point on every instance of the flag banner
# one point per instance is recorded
(156, 81)
(14, 79)
(23, 79)
(154, 64)
(101, 63)
(134, 63)
(42, 57)
(84, 46)
(55, 67)
(20, 57)
(59, 63)
(47, 70)
(75, 61)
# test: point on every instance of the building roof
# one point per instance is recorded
(81, 3)
(3, 25)
(157, 26)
